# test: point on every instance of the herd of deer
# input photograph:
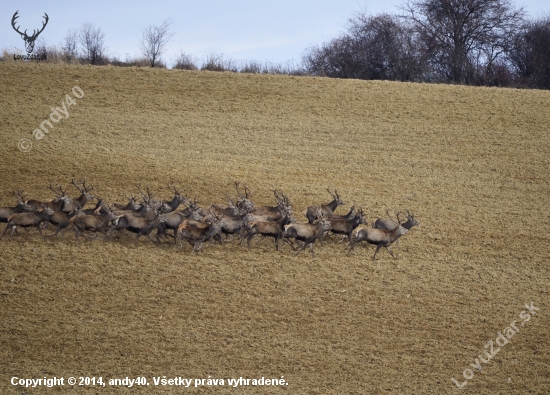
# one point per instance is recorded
(196, 225)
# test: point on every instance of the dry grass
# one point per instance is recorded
(471, 163)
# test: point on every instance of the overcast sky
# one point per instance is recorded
(242, 29)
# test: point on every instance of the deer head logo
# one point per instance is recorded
(29, 40)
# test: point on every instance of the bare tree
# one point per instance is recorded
(186, 62)
(374, 47)
(530, 54)
(462, 34)
(69, 46)
(154, 39)
(92, 41)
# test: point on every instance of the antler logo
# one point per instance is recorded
(29, 40)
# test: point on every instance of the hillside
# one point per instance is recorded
(472, 164)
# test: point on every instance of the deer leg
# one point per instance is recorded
(377, 248)
(7, 226)
(390, 251)
(311, 248)
(301, 248)
(351, 246)
(277, 237)
(137, 238)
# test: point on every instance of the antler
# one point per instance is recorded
(15, 16)
(173, 189)
(35, 33)
(18, 196)
(60, 192)
(77, 187)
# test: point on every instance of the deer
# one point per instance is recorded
(378, 237)
(79, 202)
(283, 203)
(171, 205)
(28, 220)
(96, 222)
(197, 232)
(141, 226)
(329, 208)
(309, 232)
(389, 224)
(270, 228)
(63, 220)
(345, 226)
(132, 205)
(232, 209)
(21, 207)
(175, 218)
(29, 40)
(56, 204)
(235, 224)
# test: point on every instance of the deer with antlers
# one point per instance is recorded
(389, 224)
(271, 228)
(308, 233)
(198, 232)
(141, 226)
(21, 207)
(175, 218)
(78, 203)
(28, 220)
(29, 40)
(346, 225)
(311, 212)
(378, 237)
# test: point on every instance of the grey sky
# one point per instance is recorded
(262, 30)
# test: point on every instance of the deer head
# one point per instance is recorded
(29, 40)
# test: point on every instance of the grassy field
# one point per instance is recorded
(472, 164)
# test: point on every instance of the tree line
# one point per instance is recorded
(472, 42)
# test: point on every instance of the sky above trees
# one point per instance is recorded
(259, 30)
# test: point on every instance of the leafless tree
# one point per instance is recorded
(373, 47)
(154, 39)
(92, 41)
(69, 46)
(462, 34)
(530, 54)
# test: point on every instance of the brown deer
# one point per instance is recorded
(175, 218)
(198, 232)
(378, 237)
(272, 228)
(345, 226)
(21, 207)
(76, 204)
(96, 222)
(27, 220)
(389, 224)
(141, 226)
(56, 204)
(311, 212)
(283, 204)
(308, 233)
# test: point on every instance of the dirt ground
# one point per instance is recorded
(472, 164)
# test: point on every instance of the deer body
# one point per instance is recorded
(27, 220)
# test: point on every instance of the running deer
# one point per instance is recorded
(141, 226)
(96, 222)
(308, 233)
(27, 220)
(272, 228)
(378, 237)
(345, 226)
(198, 232)
(389, 224)
(21, 207)
(78, 203)
(311, 212)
